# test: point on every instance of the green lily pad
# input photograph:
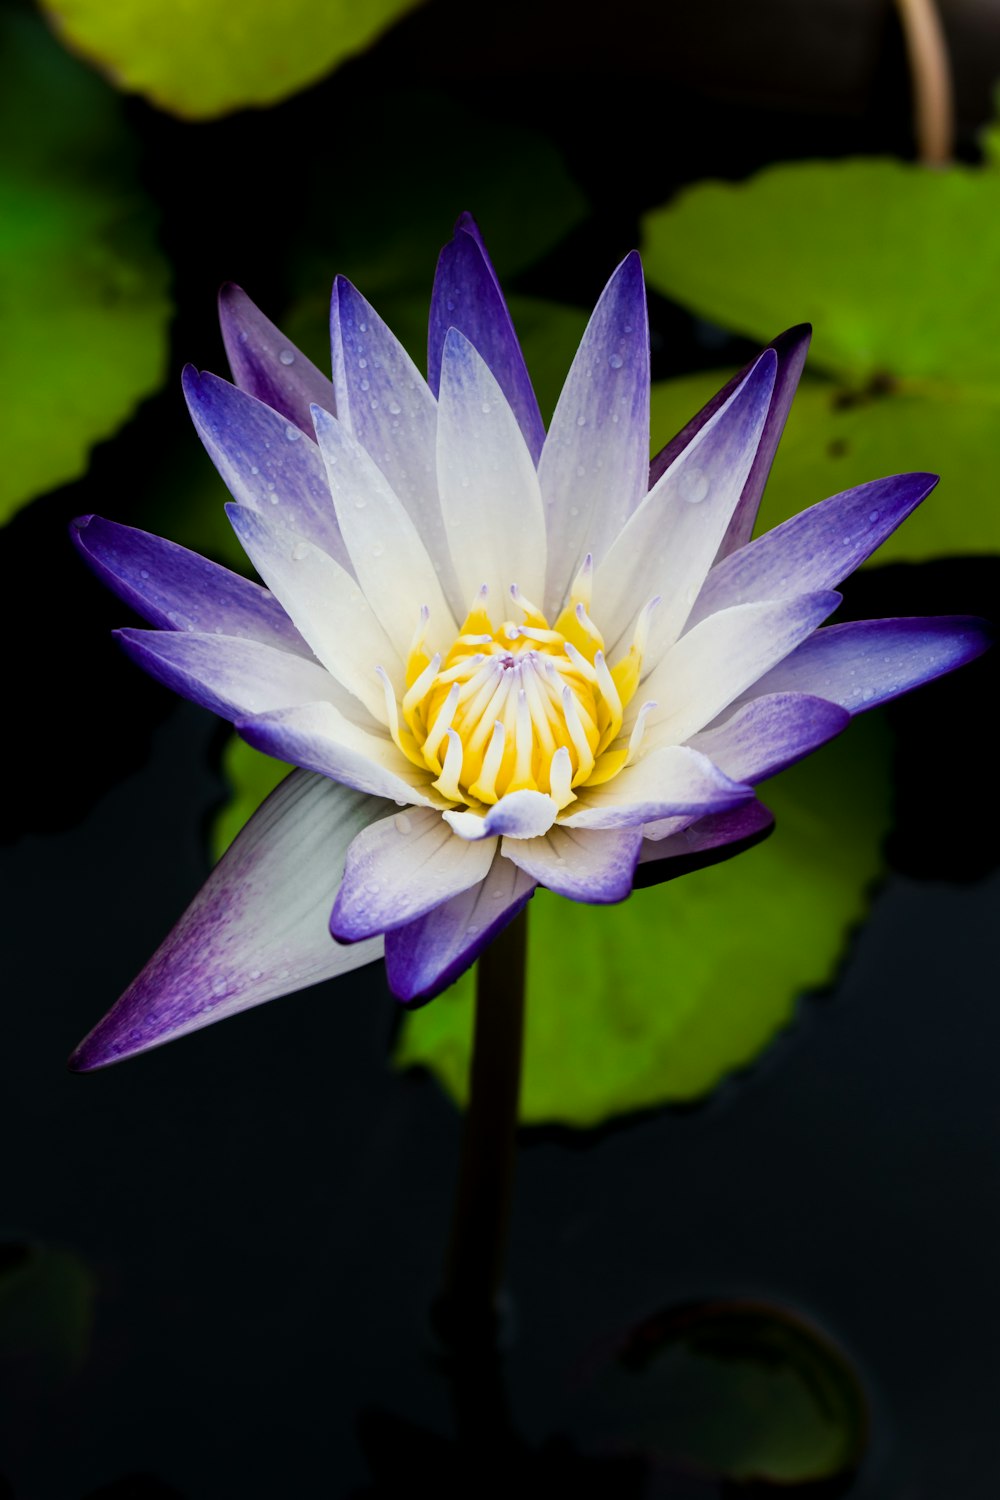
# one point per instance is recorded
(46, 1312)
(204, 58)
(82, 282)
(738, 1391)
(834, 440)
(657, 1000)
(893, 264)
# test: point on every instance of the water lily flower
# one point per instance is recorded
(499, 657)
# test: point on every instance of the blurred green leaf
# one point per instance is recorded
(656, 1000)
(893, 264)
(203, 58)
(834, 440)
(740, 1391)
(46, 1312)
(83, 286)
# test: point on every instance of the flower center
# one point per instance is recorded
(521, 706)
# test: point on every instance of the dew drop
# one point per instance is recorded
(373, 887)
(450, 304)
(292, 433)
(403, 823)
(287, 357)
(693, 485)
(300, 550)
(498, 895)
(581, 421)
(615, 361)
(472, 929)
(274, 499)
(143, 572)
(254, 974)
(628, 327)
(873, 516)
(395, 408)
(362, 327)
(362, 363)
(485, 408)
(365, 384)
(254, 469)
(220, 986)
(360, 503)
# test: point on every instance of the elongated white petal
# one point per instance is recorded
(489, 489)
(585, 866)
(669, 782)
(389, 559)
(595, 463)
(400, 868)
(326, 606)
(519, 815)
(257, 928)
(716, 661)
(668, 545)
(316, 736)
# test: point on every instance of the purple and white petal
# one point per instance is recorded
(867, 662)
(325, 604)
(257, 928)
(266, 365)
(719, 659)
(594, 466)
(230, 676)
(389, 560)
(177, 590)
(671, 782)
(815, 549)
(267, 462)
(791, 349)
(706, 842)
(668, 545)
(318, 737)
(427, 955)
(595, 866)
(402, 867)
(519, 815)
(385, 402)
(490, 498)
(770, 733)
(467, 296)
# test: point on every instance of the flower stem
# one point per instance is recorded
(467, 1308)
(927, 52)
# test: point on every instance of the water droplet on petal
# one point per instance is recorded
(254, 974)
(395, 408)
(363, 363)
(254, 469)
(287, 357)
(485, 408)
(300, 550)
(403, 823)
(143, 572)
(581, 421)
(615, 361)
(220, 986)
(292, 433)
(472, 929)
(873, 516)
(373, 887)
(693, 485)
(274, 500)
(360, 503)
(365, 384)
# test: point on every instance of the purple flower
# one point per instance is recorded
(500, 658)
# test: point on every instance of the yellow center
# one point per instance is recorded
(519, 707)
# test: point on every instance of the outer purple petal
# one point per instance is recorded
(232, 677)
(257, 929)
(594, 466)
(266, 365)
(521, 815)
(467, 296)
(791, 348)
(673, 781)
(401, 868)
(771, 733)
(595, 867)
(428, 955)
(178, 590)
(867, 662)
(704, 843)
(267, 463)
(815, 549)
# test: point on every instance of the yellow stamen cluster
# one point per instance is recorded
(522, 706)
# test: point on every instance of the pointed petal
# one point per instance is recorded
(389, 559)
(867, 662)
(770, 733)
(489, 489)
(707, 842)
(815, 549)
(595, 867)
(265, 460)
(595, 463)
(669, 543)
(791, 349)
(402, 867)
(723, 656)
(671, 782)
(318, 737)
(325, 605)
(177, 590)
(383, 399)
(426, 956)
(230, 676)
(467, 296)
(257, 928)
(520, 815)
(266, 365)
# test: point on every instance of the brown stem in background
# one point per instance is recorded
(933, 104)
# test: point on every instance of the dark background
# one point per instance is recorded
(263, 1206)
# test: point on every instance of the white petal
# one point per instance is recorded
(670, 782)
(585, 866)
(519, 815)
